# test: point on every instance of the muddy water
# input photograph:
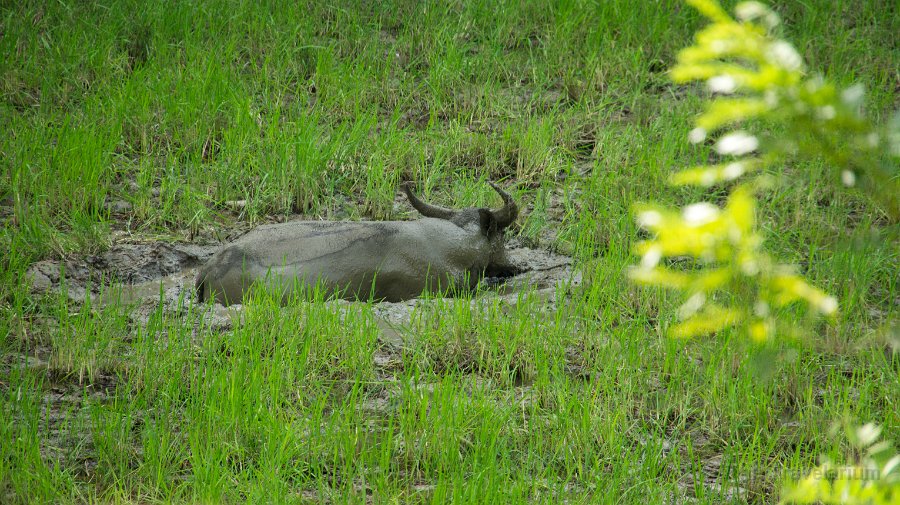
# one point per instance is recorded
(135, 293)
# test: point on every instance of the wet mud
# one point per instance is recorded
(137, 266)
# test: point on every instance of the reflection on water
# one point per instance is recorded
(158, 289)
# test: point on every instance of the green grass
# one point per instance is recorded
(322, 110)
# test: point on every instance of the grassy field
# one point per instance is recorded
(126, 122)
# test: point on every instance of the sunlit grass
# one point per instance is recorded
(321, 110)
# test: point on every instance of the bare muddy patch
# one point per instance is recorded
(123, 264)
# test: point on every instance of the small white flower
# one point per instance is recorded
(853, 95)
(651, 258)
(815, 83)
(890, 466)
(761, 308)
(750, 11)
(692, 305)
(697, 135)
(783, 54)
(827, 112)
(708, 178)
(828, 306)
(733, 170)
(771, 98)
(848, 178)
(873, 139)
(649, 218)
(749, 267)
(700, 213)
(719, 46)
(724, 84)
(737, 143)
(893, 141)
(868, 433)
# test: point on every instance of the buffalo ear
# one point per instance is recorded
(487, 222)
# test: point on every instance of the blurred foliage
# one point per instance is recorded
(728, 244)
(756, 77)
(874, 479)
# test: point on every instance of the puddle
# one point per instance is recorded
(136, 293)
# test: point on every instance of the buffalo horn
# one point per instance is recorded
(506, 215)
(426, 209)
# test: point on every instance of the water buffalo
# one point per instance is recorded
(360, 260)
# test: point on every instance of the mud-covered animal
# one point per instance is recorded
(380, 260)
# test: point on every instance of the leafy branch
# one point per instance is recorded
(759, 77)
(756, 77)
